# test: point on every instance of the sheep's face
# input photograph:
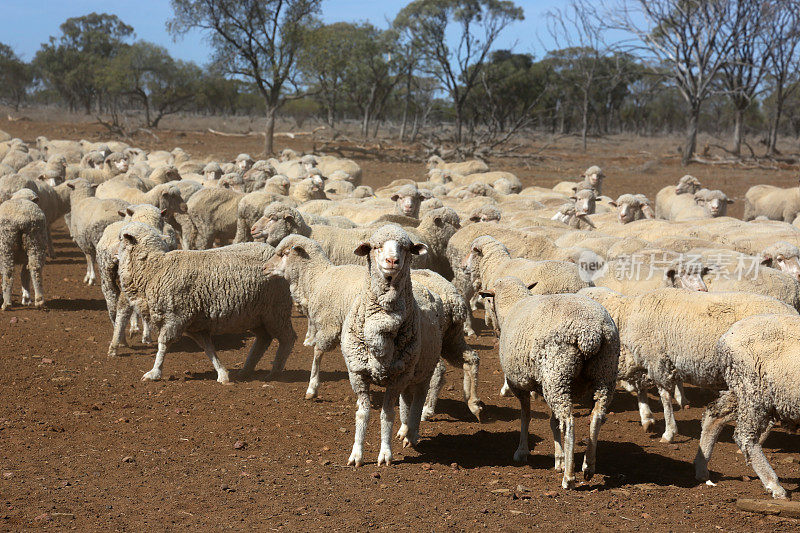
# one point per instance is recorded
(120, 166)
(289, 257)
(687, 277)
(718, 205)
(687, 185)
(212, 175)
(407, 204)
(391, 257)
(786, 264)
(273, 227)
(585, 202)
(244, 164)
(626, 212)
(170, 201)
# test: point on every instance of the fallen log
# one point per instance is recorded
(782, 508)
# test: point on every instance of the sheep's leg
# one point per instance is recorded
(406, 398)
(568, 482)
(361, 388)
(8, 274)
(717, 414)
(680, 396)
(51, 251)
(751, 424)
(470, 367)
(286, 338)
(598, 417)
(505, 390)
(133, 328)
(257, 350)
(25, 282)
(435, 387)
(523, 450)
(168, 333)
(419, 392)
(204, 239)
(146, 333)
(558, 453)
(123, 313)
(671, 427)
(313, 380)
(204, 341)
(387, 421)
(645, 414)
(90, 276)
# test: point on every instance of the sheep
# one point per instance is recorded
(673, 198)
(114, 164)
(708, 204)
(164, 174)
(575, 214)
(382, 339)
(486, 213)
(784, 257)
(207, 292)
(766, 281)
(671, 334)
(772, 202)
(89, 216)
(119, 309)
(251, 208)
(463, 168)
(558, 346)
(312, 188)
(244, 162)
(335, 168)
(497, 180)
(407, 201)
(632, 207)
(759, 357)
(23, 241)
(213, 215)
(164, 196)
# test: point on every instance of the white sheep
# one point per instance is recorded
(559, 346)
(390, 338)
(759, 357)
(203, 293)
(772, 202)
(23, 241)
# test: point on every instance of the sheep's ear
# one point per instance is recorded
(532, 285)
(362, 249)
(766, 259)
(438, 220)
(612, 203)
(706, 269)
(395, 197)
(130, 238)
(671, 273)
(288, 217)
(575, 189)
(183, 208)
(419, 249)
(299, 250)
(41, 177)
(729, 200)
(486, 293)
(93, 186)
(573, 198)
(71, 185)
(164, 212)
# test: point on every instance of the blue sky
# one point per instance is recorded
(26, 24)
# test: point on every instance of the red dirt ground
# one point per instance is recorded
(84, 444)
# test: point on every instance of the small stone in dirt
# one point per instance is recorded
(44, 517)
(454, 466)
(376, 475)
(14, 320)
(128, 459)
(501, 491)
(226, 488)
(379, 501)
(239, 444)
(47, 361)
(426, 466)
(325, 462)
(342, 430)
(95, 407)
(325, 449)
(621, 492)
(523, 488)
(8, 475)
(550, 494)
(645, 515)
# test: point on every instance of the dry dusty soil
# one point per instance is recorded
(84, 444)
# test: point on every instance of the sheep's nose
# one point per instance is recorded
(391, 261)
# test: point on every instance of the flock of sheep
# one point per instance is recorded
(584, 291)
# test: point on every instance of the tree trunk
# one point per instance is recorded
(691, 135)
(269, 131)
(458, 123)
(738, 130)
(772, 147)
(585, 118)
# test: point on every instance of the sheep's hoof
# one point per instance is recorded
(402, 432)
(506, 391)
(521, 456)
(153, 375)
(385, 457)
(649, 426)
(568, 484)
(4, 307)
(559, 464)
(779, 493)
(701, 473)
(147, 340)
(588, 473)
(667, 439)
(222, 377)
(26, 300)
(355, 460)
(410, 441)
(39, 304)
(112, 351)
(427, 414)
(311, 394)
(469, 332)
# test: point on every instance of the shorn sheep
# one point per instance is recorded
(382, 339)
(559, 346)
(202, 293)
(762, 373)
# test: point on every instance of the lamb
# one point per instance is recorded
(250, 209)
(759, 358)
(784, 257)
(201, 293)
(213, 215)
(164, 174)
(119, 309)
(766, 281)
(244, 162)
(463, 168)
(558, 346)
(674, 198)
(312, 188)
(708, 204)
(23, 241)
(772, 202)
(497, 180)
(671, 335)
(486, 213)
(114, 164)
(632, 207)
(382, 339)
(164, 196)
(575, 214)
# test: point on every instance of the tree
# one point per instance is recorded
(15, 77)
(147, 74)
(692, 38)
(784, 62)
(70, 64)
(427, 24)
(258, 40)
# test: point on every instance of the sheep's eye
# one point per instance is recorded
(273, 218)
